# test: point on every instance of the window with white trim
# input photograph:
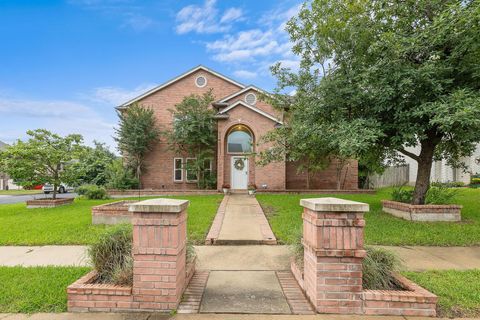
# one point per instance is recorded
(191, 170)
(177, 169)
(207, 167)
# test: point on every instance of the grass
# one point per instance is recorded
(458, 291)
(72, 224)
(285, 216)
(36, 289)
(19, 192)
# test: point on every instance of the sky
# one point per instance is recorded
(65, 65)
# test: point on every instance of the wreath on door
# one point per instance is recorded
(239, 164)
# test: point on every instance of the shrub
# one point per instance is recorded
(475, 181)
(297, 248)
(111, 255)
(440, 195)
(92, 192)
(119, 177)
(191, 253)
(402, 195)
(378, 268)
(450, 184)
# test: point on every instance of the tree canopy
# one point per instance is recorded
(194, 134)
(136, 135)
(381, 76)
(45, 158)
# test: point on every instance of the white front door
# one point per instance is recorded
(239, 167)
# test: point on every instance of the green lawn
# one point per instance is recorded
(19, 192)
(71, 224)
(458, 291)
(36, 289)
(285, 216)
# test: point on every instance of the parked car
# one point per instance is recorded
(62, 188)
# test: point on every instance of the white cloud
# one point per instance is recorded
(60, 116)
(138, 22)
(261, 46)
(232, 14)
(244, 74)
(116, 96)
(204, 19)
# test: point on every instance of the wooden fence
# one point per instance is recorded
(392, 176)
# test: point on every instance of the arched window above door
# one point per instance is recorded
(239, 140)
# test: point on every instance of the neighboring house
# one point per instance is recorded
(441, 172)
(242, 119)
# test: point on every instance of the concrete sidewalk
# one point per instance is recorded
(142, 316)
(250, 257)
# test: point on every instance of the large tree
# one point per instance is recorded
(407, 72)
(45, 158)
(92, 164)
(136, 135)
(194, 133)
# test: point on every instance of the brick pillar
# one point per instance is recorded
(333, 243)
(159, 253)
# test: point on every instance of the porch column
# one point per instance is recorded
(159, 253)
(333, 254)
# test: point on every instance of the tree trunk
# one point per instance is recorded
(425, 160)
(54, 191)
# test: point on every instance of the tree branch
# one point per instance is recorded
(409, 154)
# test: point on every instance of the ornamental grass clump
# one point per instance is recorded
(378, 268)
(111, 255)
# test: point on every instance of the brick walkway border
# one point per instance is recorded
(296, 299)
(192, 297)
(214, 231)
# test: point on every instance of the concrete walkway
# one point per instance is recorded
(251, 257)
(240, 221)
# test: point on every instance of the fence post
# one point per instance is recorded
(159, 253)
(333, 253)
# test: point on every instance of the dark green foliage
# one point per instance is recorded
(45, 158)
(194, 135)
(136, 135)
(92, 164)
(436, 195)
(378, 268)
(92, 192)
(120, 177)
(451, 184)
(111, 255)
(441, 195)
(385, 75)
(401, 194)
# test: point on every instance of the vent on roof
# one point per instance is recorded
(201, 81)
(251, 99)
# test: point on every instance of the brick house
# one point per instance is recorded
(242, 119)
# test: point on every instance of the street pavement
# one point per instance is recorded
(9, 199)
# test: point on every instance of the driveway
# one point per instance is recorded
(7, 199)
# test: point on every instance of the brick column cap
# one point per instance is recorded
(159, 205)
(334, 205)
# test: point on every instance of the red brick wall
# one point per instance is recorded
(159, 162)
(324, 179)
(272, 174)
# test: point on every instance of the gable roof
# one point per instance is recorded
(183, 75)
(255, 109)
(249, 87)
